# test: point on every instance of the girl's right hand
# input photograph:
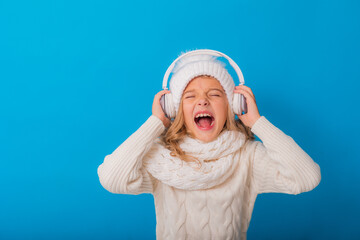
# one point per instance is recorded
(157, 109)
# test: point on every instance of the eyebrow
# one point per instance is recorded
(208, 90)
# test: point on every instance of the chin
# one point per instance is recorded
(206, 136)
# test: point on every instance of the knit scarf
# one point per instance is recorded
(218, 161)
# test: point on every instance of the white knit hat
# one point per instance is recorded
(189, 67)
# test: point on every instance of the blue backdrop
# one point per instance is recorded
(78, 77)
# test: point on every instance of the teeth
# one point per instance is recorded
(203, 115)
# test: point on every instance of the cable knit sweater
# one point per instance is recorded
(277, 164)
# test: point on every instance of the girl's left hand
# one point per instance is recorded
(252, 114)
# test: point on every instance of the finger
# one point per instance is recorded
(162, 92)
(246, 88)
(243, 90)
(246, 94)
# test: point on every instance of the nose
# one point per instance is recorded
(203, 102)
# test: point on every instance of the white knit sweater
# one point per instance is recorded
(277, 164)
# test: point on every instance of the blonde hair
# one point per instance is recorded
(177, 131)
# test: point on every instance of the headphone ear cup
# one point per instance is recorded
(243, 104)
(239, 104)
(167, 105)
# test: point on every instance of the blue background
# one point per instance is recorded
(78, 77)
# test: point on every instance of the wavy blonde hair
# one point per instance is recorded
(177, 131)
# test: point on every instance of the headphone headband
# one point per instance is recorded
(200, 52)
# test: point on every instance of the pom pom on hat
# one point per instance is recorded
(189, 67)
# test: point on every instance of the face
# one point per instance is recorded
(205, 108)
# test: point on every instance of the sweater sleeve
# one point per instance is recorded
(122, 171)
(280, 165)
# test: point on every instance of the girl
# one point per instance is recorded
(205, 168)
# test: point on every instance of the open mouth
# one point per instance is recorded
(204, 120)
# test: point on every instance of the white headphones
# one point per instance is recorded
(166, 101)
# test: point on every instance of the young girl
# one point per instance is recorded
(205, 168)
